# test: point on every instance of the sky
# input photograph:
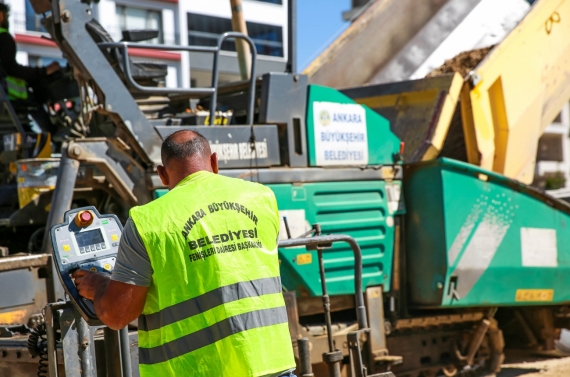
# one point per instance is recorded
(318, 23)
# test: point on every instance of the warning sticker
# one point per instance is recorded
(525, 295)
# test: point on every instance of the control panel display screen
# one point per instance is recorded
(91, 237)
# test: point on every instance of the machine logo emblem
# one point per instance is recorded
(325, 118)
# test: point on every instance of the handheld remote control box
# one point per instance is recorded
(85, 240)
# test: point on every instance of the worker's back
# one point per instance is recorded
(215, 305)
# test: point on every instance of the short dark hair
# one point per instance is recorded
(173, 149)
(4, 8)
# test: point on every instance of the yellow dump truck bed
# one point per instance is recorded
(517, 90)
(420, 111)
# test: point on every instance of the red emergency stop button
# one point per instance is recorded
(83, 219)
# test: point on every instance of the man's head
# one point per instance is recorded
(4, 16)
(184, 153)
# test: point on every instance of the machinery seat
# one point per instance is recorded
(144, 73)
(148, 70)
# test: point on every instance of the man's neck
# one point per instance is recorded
(182, 176)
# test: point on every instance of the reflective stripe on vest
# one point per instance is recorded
(214, 306)
(209, 335)
(208, 301)
(17, 88)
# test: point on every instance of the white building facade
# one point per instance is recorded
(180, 22)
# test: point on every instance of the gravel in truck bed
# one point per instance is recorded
(462, 63)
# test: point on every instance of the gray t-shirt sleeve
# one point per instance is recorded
(133, 264)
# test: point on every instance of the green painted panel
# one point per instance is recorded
(383, 145)
(359, 209)
(158, 193)
(476, 238)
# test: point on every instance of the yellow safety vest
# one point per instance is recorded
(17, 88)
(215, 305)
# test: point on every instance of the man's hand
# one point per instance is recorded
(116, 303)
(90, 284)
(52, 68)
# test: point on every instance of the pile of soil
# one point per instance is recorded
(463, 63)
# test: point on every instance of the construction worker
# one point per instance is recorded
(19, 77)
(200, 264)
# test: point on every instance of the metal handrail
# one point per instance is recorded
(319, 240)
(213, 90)
(124, 47)
(251, 101)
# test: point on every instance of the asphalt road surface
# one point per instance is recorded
(551, 367)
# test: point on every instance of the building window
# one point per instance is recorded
(131, 18)
(205, 30)
(33, 21)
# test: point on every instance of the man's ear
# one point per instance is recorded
(214, 162)
(163, 175)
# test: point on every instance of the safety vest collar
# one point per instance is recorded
(193, 178)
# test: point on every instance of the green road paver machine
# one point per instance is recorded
(456, 261)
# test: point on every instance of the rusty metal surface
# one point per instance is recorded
(319, 343)
(23, 261)
(16, 288)
(126, 175)
(33, 267)
(313, 305)
(16, 361)
(292, 315)
(422, 322)
(425, 351)
(377, 337)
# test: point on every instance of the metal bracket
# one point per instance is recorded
(126, 175)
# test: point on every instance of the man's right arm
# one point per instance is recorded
(11, 66)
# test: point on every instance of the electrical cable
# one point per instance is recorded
(37, 346)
